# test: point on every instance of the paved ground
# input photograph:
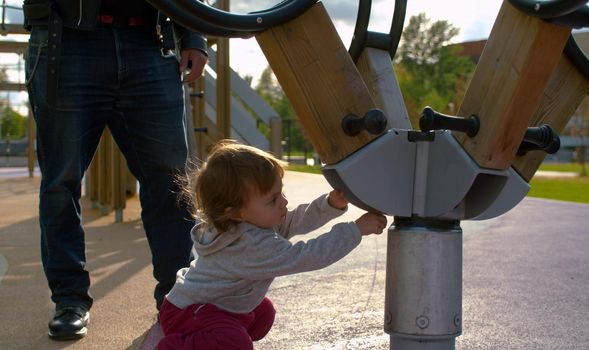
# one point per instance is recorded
(525, 285)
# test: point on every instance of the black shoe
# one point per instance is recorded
(69, 323)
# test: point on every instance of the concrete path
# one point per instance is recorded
(526, 281)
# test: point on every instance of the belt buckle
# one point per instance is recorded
(167, 53)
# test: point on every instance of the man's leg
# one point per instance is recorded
(150, 130)
(67, 135)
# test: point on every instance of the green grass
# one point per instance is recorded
(566, 189)
(313, 169)
(568, 167)
(574, 189)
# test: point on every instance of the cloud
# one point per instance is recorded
(339, 10)
(474, 18)
(241, 7)
(342, 11)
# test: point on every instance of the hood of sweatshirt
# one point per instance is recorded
(207, 240)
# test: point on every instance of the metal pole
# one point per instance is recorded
(423, 301)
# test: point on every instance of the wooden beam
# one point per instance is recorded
(564, 93)
(118, 181)
(223, 105)
(320, 80)
(376, 68)
(223, 71)
(18, 47)
(12, 28)
(7, 86)
(189, 111)
(198, 117)
(32, 136)
(276, 136)
(507, 85)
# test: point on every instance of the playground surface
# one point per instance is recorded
(525, 281)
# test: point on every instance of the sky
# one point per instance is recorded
(474, 19)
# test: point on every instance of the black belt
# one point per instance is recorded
(122, 21)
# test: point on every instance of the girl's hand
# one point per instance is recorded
(371, 223)
(337, 200)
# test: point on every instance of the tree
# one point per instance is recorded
(430, 70)
(268, 86)
(12, 125)
(271, 91)
(578, 127)
(248, 79)
(3, 78)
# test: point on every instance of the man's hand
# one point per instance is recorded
(192, 64)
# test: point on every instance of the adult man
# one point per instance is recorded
(92, 64)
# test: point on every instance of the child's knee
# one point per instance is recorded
(170, 342)
(231, 338)
(266, 310)
(264, 319)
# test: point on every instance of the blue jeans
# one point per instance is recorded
(116, 78)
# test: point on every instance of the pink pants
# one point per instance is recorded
(206, 327)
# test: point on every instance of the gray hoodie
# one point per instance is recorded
(234, 269)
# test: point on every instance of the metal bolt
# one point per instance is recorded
(457, 320)
(259, 20)
(537, 6)
(422, 322)
(388, 318)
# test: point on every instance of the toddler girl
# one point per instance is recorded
(219, 301)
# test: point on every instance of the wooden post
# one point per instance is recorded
(92, 182)
(130, 184)
(320, 80)
(376, 69)
(507, 85)
(223, 83)
(118, 181)
(189, 113)
(276, 136)
(31, 151)
(108, 179)
(104, 177)
(564, 93)
(198, 117)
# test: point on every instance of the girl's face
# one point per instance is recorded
(267, 210)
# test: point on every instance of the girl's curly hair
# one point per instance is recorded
(231, 173)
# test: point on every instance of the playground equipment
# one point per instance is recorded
(475, 165)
